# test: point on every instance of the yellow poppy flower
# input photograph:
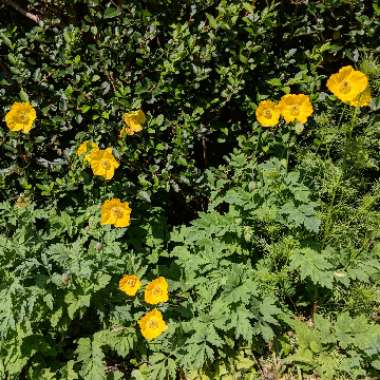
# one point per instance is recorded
(20, 117)
(86, 147)
(129, 284)
(295, 107)
(156, 291)
(267, 113)
(116, 212)
(347, 83)
(152, 324)
(363, 99)
(102, 162)
(133, 121)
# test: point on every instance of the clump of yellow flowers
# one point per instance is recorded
(103, 163)
(152, 324)
(20, 117)
(348, 85)
(292, 107)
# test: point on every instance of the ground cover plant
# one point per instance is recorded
(189, 190)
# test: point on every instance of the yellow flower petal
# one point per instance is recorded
(129, 284)
(156, 291)
(296, 107)
(116, 212)
(103, 163)
(347, 83)
(363, 99)
(152, 324)
(133, 121)
(86, 147)
(20, 117)
(268, 113)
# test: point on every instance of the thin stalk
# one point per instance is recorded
(258, 142)
(347, 140)
(328, 222)
(327, 154)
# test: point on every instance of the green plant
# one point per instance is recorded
(268, 238)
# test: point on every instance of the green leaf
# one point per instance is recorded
(211, 19)
(111, 12)
(23, 96)
(276, 82)
(91, 357)
(314, 265)
(144, 195)
(376, 364)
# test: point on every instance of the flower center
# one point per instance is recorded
(152, 324)
(131, 282)
(105, 164)
(22, 117)
(295, 109)
(268, 114)
(157, 291)
(118, 214)
(345, 87)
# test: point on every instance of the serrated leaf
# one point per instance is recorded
(312, 264)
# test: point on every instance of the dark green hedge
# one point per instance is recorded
(197, 68)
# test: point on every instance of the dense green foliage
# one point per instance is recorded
(269, 238)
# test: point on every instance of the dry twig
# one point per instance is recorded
(15, 6)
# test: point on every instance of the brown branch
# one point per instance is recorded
(31, 16)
